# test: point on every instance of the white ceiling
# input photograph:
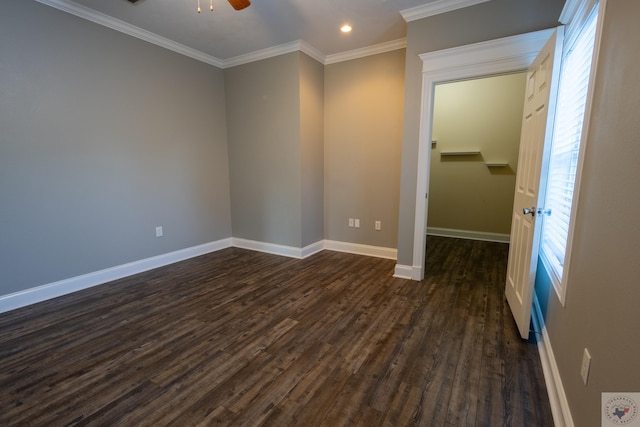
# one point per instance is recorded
(225, 33)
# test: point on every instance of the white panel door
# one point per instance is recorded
(537, 122)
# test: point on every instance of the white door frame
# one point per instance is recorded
(501, 56)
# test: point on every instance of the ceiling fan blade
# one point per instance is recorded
(239, 4)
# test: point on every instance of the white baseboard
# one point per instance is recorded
(359, 249)
(312, 249)
(274, 249)
(52, 290)
(55, 289)
(403, 271)
(557, 397)
(332, 245)
(466, 234)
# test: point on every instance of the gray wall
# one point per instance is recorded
(601, 311)
(274, 119)
(483, 114)
(103, 137)
(312, 149)
(363, 137)
(263, 120)
(482, 22)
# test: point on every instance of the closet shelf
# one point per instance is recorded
(496, 164)
(460, 153)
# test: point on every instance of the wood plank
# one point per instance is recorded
(246, 338)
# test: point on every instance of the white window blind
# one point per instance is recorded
(565, 148)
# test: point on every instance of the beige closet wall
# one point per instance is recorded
(484, 115)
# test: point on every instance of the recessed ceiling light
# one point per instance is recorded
(346, 28)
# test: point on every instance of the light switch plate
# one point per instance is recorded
(586, 365)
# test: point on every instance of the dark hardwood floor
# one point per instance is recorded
(246, 338)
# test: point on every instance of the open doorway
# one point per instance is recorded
(474, 155)
(507, 55)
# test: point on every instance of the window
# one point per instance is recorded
(565, 148)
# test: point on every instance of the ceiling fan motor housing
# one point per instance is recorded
(236, 4)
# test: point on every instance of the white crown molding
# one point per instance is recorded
(126, 28)
(129, 29)
(366, 51)
(436, 8)
(439, 6)
(270, 52)
(132, 30)
(312, 52)
(301, 45)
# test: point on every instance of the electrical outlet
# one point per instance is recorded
(586, 365)
(378, 225)
(159, 232)
(350, 222)
(357, 223)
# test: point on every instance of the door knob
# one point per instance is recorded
(527, 211)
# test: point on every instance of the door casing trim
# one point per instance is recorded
(494, 57)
